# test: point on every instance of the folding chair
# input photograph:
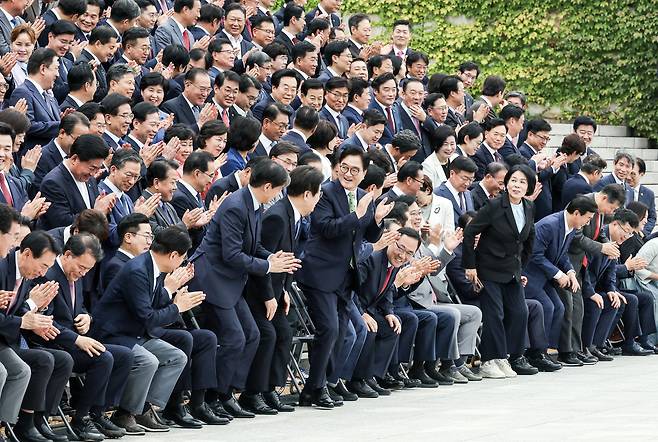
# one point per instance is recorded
(60, 412)
(304, 333)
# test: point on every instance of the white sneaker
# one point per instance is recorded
(506, 368)
(490, 370)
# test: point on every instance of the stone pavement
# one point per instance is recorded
(609, 401)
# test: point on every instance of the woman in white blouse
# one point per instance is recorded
(23, 40)
(444, 144)
(435, 209)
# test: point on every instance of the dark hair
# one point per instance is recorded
(257, 58)
(317, 24)
(334, 48)
(530, 175)
(243, 133)
(117, 71)
(439, 136)
(324, 133)
(434, 83)
(593, 163)
(639, 208)
(193, 73)
(406, 141)
(517, 94)
(17, 120)
(273, 110)
(380, 159)
(622, 155)
(223, 77)
(494, 167)
(79, 75)
(311, 83)
(291, 11)
(493, 123)
(572, 143)
(209, 13)
(93, 222)
(180, 4)
(301, 49)
(354, 151)
(209, 130)
(377, 82)
(143, 110)
(472, 130)
(40, 57)
(306, 118)
(268, 172)
(111, 103)
(72, 7)
(6, 129)
(399, 212)
(158, 170)
(89, 147)
(469, 66)
(373, 117)
(91, 109)
(64, 27)
(374, 175)
(70, 121)
(124, 10)
(247, 82)
(415, 56)
(102, 34)
(303, 179)
(624, 215)
(449, 84)
(431, 99)
(130, 224)
(336, 83)
(83, 243)
(275, 50)
(8, 216)
(308, 157)
(278, 75)
(153, 79)
(584, 120)
(171, 239)
(283, 148)
(641, 165)
(411, 233)
(582, 204)
(131, 35)
(198, 160)
(123, 156)
(615, 193)
(357, 88)
(376, 61)
(180, 130)
(538, 125)
(511, 111)
(410, 169)
(493, 85)
(258, 20)
(462, 163)
(175, 54)
(234, 7)
(39, 242)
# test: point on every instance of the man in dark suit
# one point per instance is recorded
(494, 138)
(293, 25)
(411, 116)
(268, 296)
(636, 191)
(210, 19)
(581, 183)
(42, 107)
(369, 133)
(623, 165)
(384, 88)
(82, 86)
(229, 253)
(175, 29)
(338, 58)
(232, 182)
(284, 85)
(452, 88)
(143, 298)
(336, 95)
(585, 127)
(490, 186)
(11, 191)
(198, 171)
(379, 278)
(532, 149)
(550, 262)
(343, 218)
(187, 106)
(358, 102)
(325, 9)
(455, 188)
(306, 120)
(31, 260)
(101, 48)
(15, 10)
(275, 121)
(59, 37)
(514, 118)
(71, 186)
(118, 116)
(105, 367)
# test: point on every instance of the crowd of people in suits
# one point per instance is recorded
(172, 172)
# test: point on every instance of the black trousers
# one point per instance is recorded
(51, 370)
(377, 351)
(504, 320)
(200, 347)
(597, 323)
(637, 315)
(268, 369)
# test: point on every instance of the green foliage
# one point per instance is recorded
(581, 56)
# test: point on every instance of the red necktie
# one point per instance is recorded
(17, 286)
(597, 230)
(389, 117)
(225, 117)
(186, 39)
(4, 187)
(389, 272)
(248, 27)
(416, 124)
(72, 290)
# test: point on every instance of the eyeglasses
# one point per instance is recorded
(544, 138)
(338, 96)
(627, 234)
(466, 179)
(344, 168)
(405, 252)
(416, 179)
(126, 116)
(203, 90)
(290, 163)
(267, 31)
(147, 236)
(209, 175)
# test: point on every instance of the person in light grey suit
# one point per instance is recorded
(6, 26)
(186, 13)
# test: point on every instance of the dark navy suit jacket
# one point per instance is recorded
(183, 200)
(648, 198)
(182, 112)
(111, 267)
(10, 321)
(387, 136)
(342, 127)
(61, 86)
(373, 296)
(457, 211)
(353, 117)
(296, 139)
(574, 186)
(18, 195)
(59, 188)
(227, 183)
(43, 114)
(230, 251)
(608, 179)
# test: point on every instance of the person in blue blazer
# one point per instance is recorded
(636, 191)
(306, 121)
(455, 188)
(63, 186)
(550, 261)
(106, 366)
(187, 106)
(143, 298)
(11, 192)
(384, 89)
(42, 107)
(582, 182)
(344, 217)
(231, 250)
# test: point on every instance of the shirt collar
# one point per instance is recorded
(239, 110)
(356, 43)
(322, 11)
(332, 72)
(266, 142)
(114, 137)
(302, 73)
(486, 100)
(297, 216)
(486, 192)
(253, 198)
(452, 190)
(189, 103)
(356, 109)
(180, 27)
(18, 271)
(567, 229)
(61, 151)
(125, 252)
(396, 190)
(8, 15)
(235, 42)
(113, 28)
(78, 102)
(361, 140)
(67, 233)
(139, 143)
(71, 173)
(288, 34)
(156, 269)
(187, 185)
(301, 134)
(36, 85)
(115, 190)
(617, 180)
(491, 151)
(584, 176)
(237, 179)
(332, 112)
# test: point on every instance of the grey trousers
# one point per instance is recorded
(572, 324)
(468, 318)
(153, 376)
(14, 377)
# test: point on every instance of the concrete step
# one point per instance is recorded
(652, 165)
(602, 131)
(611, 142)
(650, 178)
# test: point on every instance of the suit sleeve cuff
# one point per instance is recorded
(559, 274)
(32, 304)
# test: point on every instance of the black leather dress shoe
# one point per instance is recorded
(439, 377)
(44, 429)
(361, 389)
(333, 394)
(390, 383)
(420, 375)
(586, 357)
(406, 381)
(29, 434)
(180, 417)
(234, 409)
(520, 366)
(635, 350)
(217, 408)
(273, 399)
(344, 392)
(648, 346)
(569, 359)
(85, 429)
(256, 404)
(205, 414)
(543, 363)
(372, 383)
(600, 356)
(320, 398)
